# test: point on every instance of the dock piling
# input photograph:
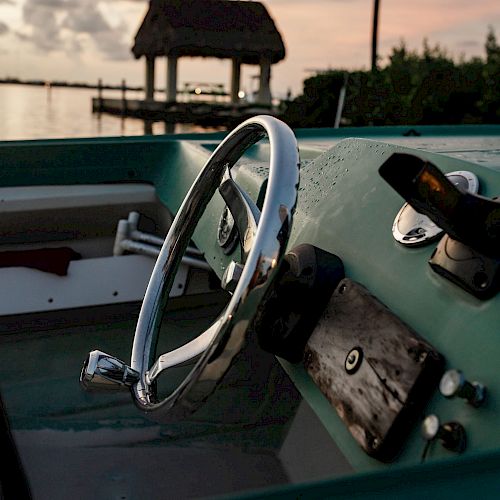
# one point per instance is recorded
(124, 96)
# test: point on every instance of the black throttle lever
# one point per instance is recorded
(469, 255)
(469, 218)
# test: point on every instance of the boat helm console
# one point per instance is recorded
(376, 371)
(298, 323)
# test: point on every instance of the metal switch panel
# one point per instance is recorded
(373, 368)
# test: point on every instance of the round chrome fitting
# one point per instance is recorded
(413, 229)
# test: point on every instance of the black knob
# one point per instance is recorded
(451, 434)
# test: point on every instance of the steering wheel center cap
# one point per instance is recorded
(227, 236)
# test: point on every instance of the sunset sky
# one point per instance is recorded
(87, 39)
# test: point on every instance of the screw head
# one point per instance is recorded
(353, 360)
(422, 357)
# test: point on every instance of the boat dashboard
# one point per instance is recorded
(365, 336)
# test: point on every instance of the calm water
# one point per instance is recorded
(29, 112)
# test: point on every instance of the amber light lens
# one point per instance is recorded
(431, 181)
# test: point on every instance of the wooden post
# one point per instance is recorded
(150, 79)
(169, 127)
(235, 80)
(376, 5)
(99, 95)
(171, 79)
(265, 77)
(148, 127)
(124, 98)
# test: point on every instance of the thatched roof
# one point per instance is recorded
(209, 28)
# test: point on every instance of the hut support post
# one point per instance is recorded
(124, 96)
(171, 78)
(265, 78)
(235, 80)
(150, 79)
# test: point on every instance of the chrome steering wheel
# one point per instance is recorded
(263, 242)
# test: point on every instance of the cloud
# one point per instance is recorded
(468, 43)
(62, 25)
(43, 22)
(108, 45)
(54, 3)
(85, 20)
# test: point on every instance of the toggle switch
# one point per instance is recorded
(451, 434)
(453, 383)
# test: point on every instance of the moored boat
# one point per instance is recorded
(318, 339)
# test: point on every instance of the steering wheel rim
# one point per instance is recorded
(219, 344)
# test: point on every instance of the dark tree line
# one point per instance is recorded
(413, 88)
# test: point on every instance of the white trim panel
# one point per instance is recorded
(28, 198)
(90, 282)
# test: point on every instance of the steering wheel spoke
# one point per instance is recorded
(245, 213)
(184, 354)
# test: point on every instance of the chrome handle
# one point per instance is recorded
(102, 372)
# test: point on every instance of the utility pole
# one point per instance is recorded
(376, 5)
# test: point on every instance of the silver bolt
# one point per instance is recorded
(232, 276)
(453, 383)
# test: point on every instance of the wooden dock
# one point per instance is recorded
(210, 114)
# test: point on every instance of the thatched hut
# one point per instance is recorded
(227, 29)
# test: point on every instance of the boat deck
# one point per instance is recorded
(102, 447)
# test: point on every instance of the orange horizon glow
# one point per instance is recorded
(318, 34)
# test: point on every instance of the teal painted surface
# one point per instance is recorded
(474, 477)
(345, 208)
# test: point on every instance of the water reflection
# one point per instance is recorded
(168, 128)
(32, 112)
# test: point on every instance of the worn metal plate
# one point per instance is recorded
(374, 369)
